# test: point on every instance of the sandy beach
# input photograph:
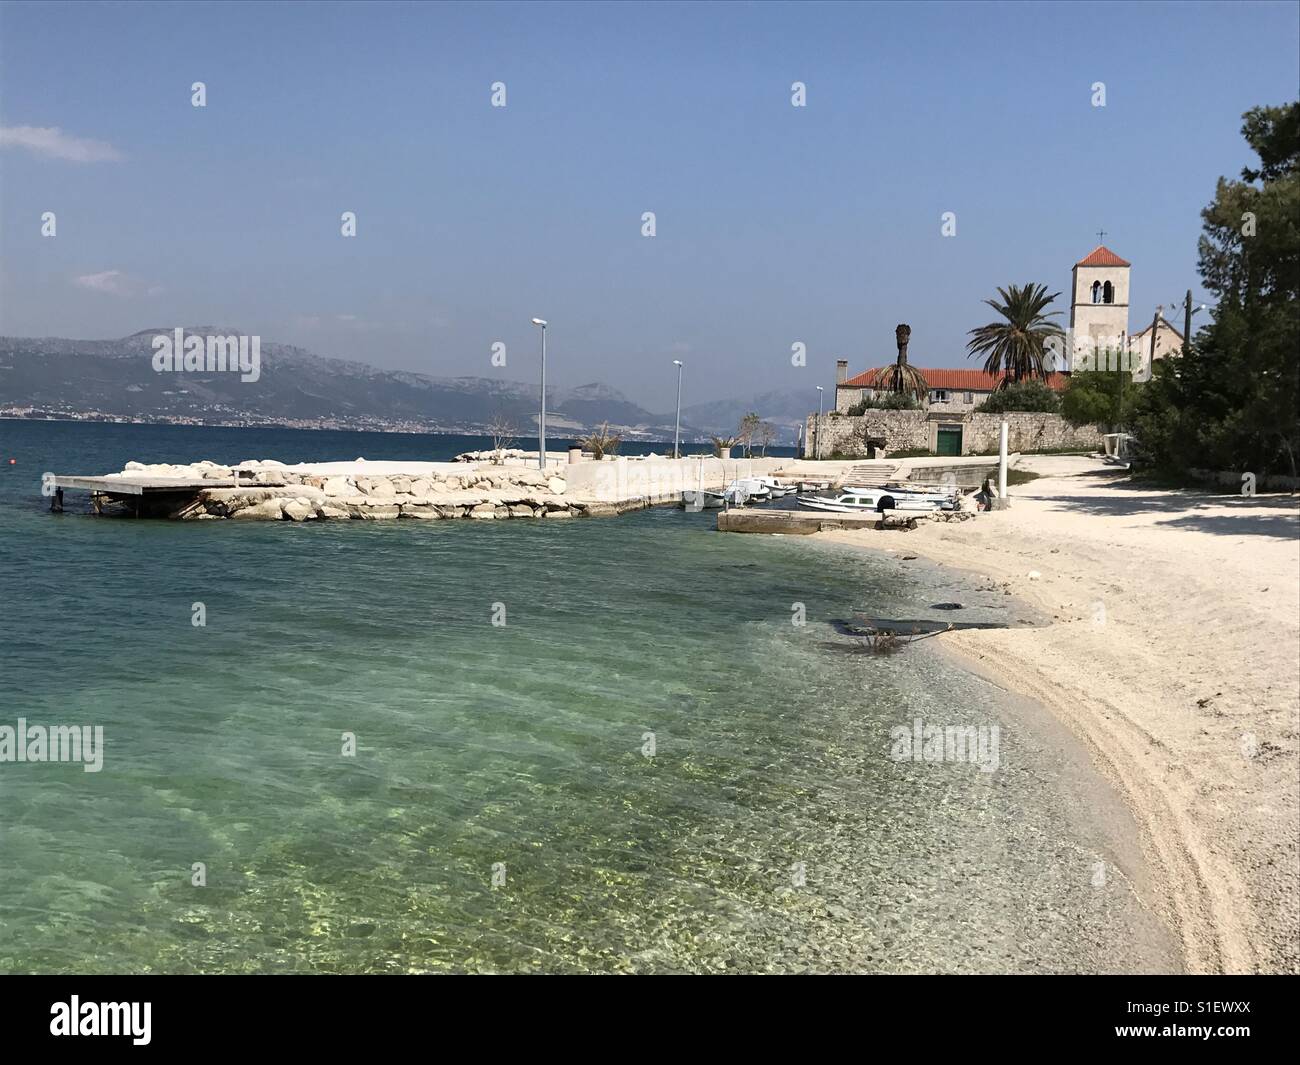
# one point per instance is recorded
(1174, 654)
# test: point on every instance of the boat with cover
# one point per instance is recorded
(751, 489)
(944, 497)
(868, 501)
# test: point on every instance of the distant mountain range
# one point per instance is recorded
(51, 377)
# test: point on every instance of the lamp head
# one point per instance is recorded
(540, 321)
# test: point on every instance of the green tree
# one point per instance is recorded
(1231, 401)
(748, 431)
(1100, 397)
(1015, 348)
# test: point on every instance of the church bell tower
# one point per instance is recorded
(1099, 304)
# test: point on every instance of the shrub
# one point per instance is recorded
(1102, 397)
(886, 401)
(1029, 395)
(601, 442)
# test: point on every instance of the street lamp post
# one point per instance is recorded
(1188, 311)
(677, 429)
(541, 426)
(817, 448)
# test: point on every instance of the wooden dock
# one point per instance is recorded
(139, 492)
(803, 522)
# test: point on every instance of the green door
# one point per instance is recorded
(949, 440)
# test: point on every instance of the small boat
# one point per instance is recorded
(752, 488)
(945, 498)
(775, 488)
(701, 501)
(867, 501)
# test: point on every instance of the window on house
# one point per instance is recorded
(1108, 293)
(1096, 292)
(939, 395)
(970, 397)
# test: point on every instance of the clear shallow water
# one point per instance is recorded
(519, 745)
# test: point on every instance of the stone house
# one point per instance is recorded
(1169, 341)
(950, 391)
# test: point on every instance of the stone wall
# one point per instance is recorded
(914, 430)
(847, 435)
(271, 491)
(656, 480)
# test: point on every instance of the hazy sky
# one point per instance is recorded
(775, 224)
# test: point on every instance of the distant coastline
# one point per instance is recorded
(304, 424)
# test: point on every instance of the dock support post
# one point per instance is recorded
(56, 501)
(96, 503)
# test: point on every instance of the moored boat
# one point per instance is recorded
(775, 488)
(867, 501)
(700, 500)
(944, 498)
(750, 489)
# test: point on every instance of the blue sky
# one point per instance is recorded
(775, 224)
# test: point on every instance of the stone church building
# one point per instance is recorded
(1099, 323)
(1099, 319)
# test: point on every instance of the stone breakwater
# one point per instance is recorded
(270, 491)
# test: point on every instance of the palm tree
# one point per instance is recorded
(900, 377)
(601, 442)
(1016, 346)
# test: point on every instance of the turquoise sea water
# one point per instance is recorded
(770, 831)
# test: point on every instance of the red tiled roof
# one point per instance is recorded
(1102, 256)
(956, 380)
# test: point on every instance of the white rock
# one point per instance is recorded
(267, 510)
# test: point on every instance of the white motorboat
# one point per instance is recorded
(752, 488)
(868, 501)
(944, 498)
(701, 501)
(775, 488)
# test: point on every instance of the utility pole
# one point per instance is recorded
(1187, 322)
(541, 419)
(677, 430)
(821, 395)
